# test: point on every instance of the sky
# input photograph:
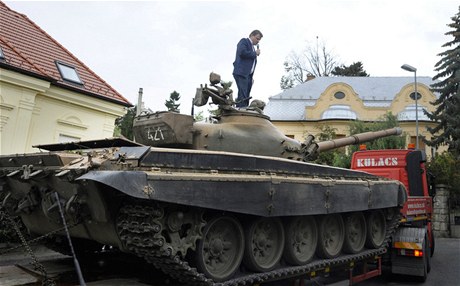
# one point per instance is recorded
(166, 46)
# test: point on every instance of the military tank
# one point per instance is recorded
(228, 202)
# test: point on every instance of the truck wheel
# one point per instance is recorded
(432, 245)
(425, 261)
(428, 255)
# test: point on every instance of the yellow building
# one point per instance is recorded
(47, 95)
(335, 101)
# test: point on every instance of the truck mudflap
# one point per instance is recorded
(258, 194)
(410, 251)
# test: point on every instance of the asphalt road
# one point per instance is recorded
(445, 268)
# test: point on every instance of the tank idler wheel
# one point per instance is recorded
(376, 229)
(264, 244)
(220, 252)
(301, 240)
(355, 232)
(331, 236)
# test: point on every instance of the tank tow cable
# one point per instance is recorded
(75, 260)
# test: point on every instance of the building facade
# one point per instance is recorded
(47, 95)
(336, 101)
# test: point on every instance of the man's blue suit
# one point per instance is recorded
(245, 58)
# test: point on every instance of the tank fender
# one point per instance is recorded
(402, 195)
(258, 195)
(132, 183)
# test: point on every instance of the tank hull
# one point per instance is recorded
(162, 204)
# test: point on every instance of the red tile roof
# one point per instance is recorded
(30, 50)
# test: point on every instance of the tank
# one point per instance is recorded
(228, 202)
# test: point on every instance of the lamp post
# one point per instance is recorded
(414, 70)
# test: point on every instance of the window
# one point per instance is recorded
(339, 95)
(339, 111)
(68, 73)
(412, 96)
(2, 56)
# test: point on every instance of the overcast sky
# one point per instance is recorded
(164, 46)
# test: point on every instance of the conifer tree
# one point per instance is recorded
(124, 124)
(447, 113)
(172, 103)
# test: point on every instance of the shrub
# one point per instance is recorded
(446, 169)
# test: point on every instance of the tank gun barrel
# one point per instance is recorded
(357, 139)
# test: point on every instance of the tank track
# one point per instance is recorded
(144, 239)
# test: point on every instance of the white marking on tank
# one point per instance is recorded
(158, 135)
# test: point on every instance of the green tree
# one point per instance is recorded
(328, 158)
(384, 122)
(199, 116)
(172, 103)
(355, 69)
(447, 113)
(341, 158)
(124, 124)
(446, 168)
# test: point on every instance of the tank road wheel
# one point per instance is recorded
(331, 235)
(301, 240)
(220, 252)
(264, 244)
(376, 229)
(355, 232)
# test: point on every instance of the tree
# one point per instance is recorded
(124, 124)
(445, 168)
(355, 69)
(447, 113)
(330, 157)
(199, 116)
(339, 158)
(384, 122)
(318, 61)
(171, 103)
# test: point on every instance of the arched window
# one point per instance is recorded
(339, 111)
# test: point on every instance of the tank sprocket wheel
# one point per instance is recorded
(355, 232)
(220, 252)
(376, 229)
(181, 230)
(264, 244)
(301, 240)
(331, 236)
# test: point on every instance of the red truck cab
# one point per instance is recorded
(413, 243)
(406, 166)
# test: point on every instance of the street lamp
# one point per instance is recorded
(414, 70)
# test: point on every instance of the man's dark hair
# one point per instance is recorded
(255, 33)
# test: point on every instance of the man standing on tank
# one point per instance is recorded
(245, 63)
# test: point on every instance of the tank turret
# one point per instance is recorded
(246, 130)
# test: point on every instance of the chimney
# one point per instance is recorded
(139, 102)
(310, 77)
